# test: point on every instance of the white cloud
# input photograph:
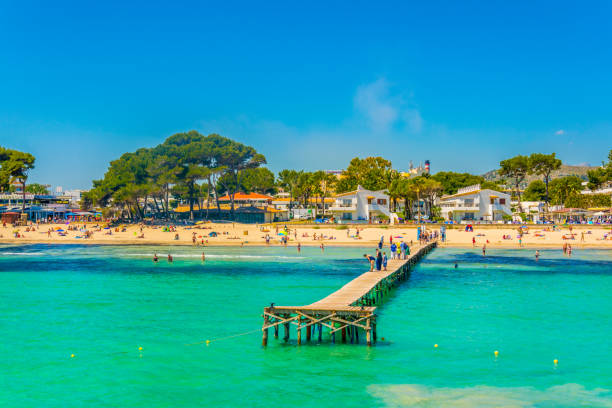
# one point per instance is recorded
(380, 118)
(384, 111)
(560, 132)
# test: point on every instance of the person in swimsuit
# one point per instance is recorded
(370, 259)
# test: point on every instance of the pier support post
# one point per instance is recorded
(320, 332)
(308, 330)
(299, 331)
(368, 333)
(344, 335)
(333, 334)
(264, 337)
(286, 338)
(374, 331)
(276, 331)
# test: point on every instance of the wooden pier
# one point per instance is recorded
(349, 310)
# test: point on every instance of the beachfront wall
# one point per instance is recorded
(361, 205)
(475, 204)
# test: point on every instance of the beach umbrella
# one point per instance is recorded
(60, 230)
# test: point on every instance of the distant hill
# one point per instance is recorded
(565, 170)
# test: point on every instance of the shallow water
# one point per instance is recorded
(102, 303)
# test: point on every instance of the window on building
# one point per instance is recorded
(492, 200)
(369, 201)
(468, 202)
(382, 201)
(502, 201)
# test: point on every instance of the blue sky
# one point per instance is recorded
(310, 84)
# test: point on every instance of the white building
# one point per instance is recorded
(475, 204)
(362, 205)
(533, 209)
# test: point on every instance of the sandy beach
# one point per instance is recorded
(249, 234)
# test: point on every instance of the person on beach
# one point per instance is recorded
(378, 260)
(299, 247)
(384, 261)
(564, 248)
(169, 258)
(322, 247)
(203, 257)
(380, 243)
(537, 255)
(370, 259)
(473, 241)
(484, 250)
(155, 258)
(569, 250)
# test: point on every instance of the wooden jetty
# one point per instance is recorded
(348, 310)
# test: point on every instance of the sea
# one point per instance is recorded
(105, 326)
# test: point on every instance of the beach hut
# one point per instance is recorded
(10, 217)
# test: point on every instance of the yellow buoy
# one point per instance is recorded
(496, 353)
(139, 348)
(435, 346)
(72, 356)
(556, 361)
(207, 342)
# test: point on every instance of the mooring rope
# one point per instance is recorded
(223, 338)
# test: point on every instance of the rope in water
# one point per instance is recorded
(223, 338)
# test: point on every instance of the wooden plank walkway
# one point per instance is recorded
(348, 309)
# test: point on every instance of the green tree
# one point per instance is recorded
(535, 191)
(543, 165)
(404, 188)
(563, 187)
(16, 165)
(288, 180)
(36, 188)
(451, 181)
(515, 168)
(598, 177)
(323, 183)
(372, 173)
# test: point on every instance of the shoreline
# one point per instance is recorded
(252, 235)
(362, 244)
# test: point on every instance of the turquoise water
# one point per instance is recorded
(103, 303)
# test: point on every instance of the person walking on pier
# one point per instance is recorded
(393, 251)
(379, 260)
(384, 261)
(370, 259)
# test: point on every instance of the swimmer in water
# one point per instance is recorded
(155, 258)
(299, 247)
(484, 250)
(537, 255)
(169, 258)
(203, 257)
(456, 266)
